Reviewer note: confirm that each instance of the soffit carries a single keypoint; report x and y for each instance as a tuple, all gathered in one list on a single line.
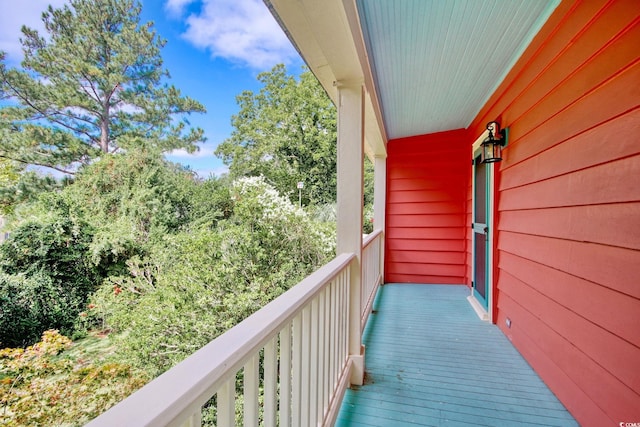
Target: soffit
[(435, 63), (428, 65)]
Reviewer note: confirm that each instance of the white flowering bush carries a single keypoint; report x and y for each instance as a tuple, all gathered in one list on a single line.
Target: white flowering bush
[(196, 285), (259, 204)]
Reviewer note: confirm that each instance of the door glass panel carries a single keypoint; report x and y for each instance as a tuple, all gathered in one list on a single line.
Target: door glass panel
[(480, 232), (480, 272), (481, 192)]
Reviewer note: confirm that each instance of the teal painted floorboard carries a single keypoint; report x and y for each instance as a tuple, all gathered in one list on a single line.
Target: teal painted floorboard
[(431, 361)]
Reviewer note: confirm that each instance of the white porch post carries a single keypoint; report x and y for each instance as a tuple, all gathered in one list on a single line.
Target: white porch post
[(379, 202), (350, 206)]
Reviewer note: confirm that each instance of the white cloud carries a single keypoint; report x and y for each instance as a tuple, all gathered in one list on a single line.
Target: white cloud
[(203, 162), (206, 173), (182, 154), (177, 7), (241, 31), (14, 15)]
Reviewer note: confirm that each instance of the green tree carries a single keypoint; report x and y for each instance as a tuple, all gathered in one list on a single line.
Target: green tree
[(9, 173), (18, 185), (287, 133), (95, 84), (9, 177), (131, 200)]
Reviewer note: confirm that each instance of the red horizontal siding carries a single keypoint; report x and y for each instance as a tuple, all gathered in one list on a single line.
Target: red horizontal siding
[(606, 183), (426, 234), (577, 223), (562, 159), (451, 220), (426, 209), (601, 50), (542, 346), (615, 268), (424, 196), (568, 208), (425, 245), (421, 257), (422, 278), (601, 345), (617, 97), (608, 309), (425, 269)]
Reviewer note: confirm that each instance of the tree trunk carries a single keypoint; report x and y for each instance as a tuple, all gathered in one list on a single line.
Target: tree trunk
[(104, 129)]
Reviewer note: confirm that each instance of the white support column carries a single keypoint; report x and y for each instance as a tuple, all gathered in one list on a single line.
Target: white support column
[(350, 206), (379, 203)]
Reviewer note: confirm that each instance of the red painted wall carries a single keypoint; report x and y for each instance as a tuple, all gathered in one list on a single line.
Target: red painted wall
[(568, 202), (426, 208)]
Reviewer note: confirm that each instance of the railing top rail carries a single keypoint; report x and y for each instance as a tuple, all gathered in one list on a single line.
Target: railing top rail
[(369, 238), (188, 385)]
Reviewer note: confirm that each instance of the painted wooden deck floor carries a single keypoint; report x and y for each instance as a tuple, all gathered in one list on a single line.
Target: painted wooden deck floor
[(430, 361)]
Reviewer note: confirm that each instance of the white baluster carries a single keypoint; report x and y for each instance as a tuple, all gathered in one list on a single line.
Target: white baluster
[(227, 404), (271, 382)]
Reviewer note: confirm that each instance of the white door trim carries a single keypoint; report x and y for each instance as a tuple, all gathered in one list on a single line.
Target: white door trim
[(488, 314)]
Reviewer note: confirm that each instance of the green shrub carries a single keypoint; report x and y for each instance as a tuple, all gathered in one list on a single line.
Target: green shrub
[(46, 278), (152, 193), (56, 246), (29, 306)]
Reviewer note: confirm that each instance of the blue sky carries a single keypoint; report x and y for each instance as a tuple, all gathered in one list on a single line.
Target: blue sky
[(215, 49)]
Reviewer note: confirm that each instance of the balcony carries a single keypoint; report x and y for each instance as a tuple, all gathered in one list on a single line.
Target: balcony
[(553, 254), (292, 362), (423, 344)]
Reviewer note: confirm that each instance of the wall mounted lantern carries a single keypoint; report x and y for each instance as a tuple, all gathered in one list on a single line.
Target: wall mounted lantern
[(492, 146)]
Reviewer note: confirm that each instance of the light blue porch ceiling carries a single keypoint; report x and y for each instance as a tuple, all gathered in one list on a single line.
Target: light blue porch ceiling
[(435, 63)]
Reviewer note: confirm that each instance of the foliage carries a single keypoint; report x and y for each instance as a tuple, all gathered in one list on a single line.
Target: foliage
[(194, 286), (40, 386), (134, 244), (9, 173), (287, 133), (115, 213), (55, 243), (116, 210), (158, 196), (9, 177), (367, 220), (28, 305), (25, 188), (130, 199), (45, 276), (210, 202), (94, 85)]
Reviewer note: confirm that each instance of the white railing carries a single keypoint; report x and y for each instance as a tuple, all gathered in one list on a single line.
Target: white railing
[(301, 341), (371, 273)]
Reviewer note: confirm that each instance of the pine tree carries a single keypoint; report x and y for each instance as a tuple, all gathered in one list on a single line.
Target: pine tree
[(95, 84)]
